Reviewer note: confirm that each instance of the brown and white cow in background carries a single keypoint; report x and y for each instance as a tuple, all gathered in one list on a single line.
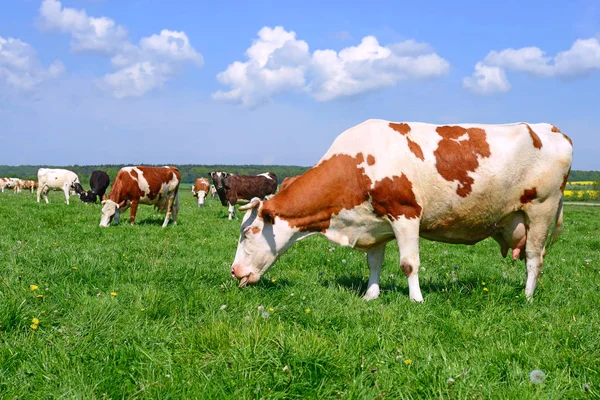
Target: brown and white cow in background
[(233, 188), (200, 189), (158, 186), (384, 180), (213, 192), (28, 185), (56, 179)]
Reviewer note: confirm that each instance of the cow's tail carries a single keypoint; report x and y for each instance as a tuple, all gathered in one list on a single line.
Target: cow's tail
[(558, 225)]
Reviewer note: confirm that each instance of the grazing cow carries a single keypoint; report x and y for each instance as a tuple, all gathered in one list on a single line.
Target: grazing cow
[(99, 181), (3, 183), (28, 185), (200, 190), (213, 191), (287, 181), (232, 188), (158, 186), (55, 179), (384, 180)]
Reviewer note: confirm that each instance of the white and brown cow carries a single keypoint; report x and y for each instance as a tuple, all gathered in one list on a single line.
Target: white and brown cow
[(55, 179), (28, 185), (158, 186), (384, 180), (233, 188), (200, 189), (213, 192)]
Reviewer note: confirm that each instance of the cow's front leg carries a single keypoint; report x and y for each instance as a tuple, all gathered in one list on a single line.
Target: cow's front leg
[(407, 236), (232, 210), (169, 211), (375, 261), (133, 211), (66, 190)]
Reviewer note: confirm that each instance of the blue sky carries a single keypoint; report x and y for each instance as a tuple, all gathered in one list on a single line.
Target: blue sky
[(149, 81)]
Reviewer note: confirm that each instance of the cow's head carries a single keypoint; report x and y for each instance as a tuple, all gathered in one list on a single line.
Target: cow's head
[(219, 178), (78, 188), (261, 243), (110, 210)]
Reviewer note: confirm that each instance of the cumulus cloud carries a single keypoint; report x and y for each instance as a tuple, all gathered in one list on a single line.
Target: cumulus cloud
[(20, 68), (490, 74), (140, 68), (279, 62)]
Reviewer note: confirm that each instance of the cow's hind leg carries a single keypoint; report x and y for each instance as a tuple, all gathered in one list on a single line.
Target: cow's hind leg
[(232, 213), (407, 236), (375, 261), (539, 218)]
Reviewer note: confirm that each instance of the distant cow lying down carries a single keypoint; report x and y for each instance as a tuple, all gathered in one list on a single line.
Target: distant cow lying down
[(233, 188), (158, 186)]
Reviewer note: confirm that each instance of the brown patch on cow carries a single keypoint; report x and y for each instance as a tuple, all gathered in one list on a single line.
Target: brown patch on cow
[(308, 207), (414, 147), (406, 268), (537, 143), (400, 128), (568, 139), (455, 159), (394, 197), (555, 129), (134, 173), (287, 181), (565, 180), (370, 160), (255, 230), (528, 195)]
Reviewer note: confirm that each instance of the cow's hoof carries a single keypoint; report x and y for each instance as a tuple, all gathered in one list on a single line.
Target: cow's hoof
[(372, 294)]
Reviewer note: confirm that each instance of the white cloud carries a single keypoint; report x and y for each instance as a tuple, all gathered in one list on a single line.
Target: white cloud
[(487, 80), (140, 68), (20, 68), (490, 74), (278, 62)]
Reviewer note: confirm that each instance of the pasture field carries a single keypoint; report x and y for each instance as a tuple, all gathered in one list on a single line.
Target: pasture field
[(146, 312)]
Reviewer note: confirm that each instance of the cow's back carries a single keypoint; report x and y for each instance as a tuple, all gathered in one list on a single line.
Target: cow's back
[(247, 187), (462, 176)]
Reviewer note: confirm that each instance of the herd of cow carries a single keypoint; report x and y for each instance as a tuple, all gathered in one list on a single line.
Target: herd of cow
[(379, 181)]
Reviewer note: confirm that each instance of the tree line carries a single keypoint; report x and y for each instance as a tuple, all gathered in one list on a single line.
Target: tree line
[(189, 172)]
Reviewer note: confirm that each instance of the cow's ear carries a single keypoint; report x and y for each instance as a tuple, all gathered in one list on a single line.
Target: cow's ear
[(103, 202), (267, 216)]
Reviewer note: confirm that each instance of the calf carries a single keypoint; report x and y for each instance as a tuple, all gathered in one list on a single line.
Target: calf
[(158, 186), (386, 180), (55, 179), (232, 188), (213, 192), (200, 189)]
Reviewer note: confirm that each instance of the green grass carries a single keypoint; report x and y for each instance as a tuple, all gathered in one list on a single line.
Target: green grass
[(164, 334)]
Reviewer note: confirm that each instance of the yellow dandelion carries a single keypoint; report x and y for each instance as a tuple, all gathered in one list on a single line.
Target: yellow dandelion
[(33, 326), (483, 283), (35, 321), (271, 309), (113, 294), (143, 309), (33, 287), (273, 280), (307, 310), (75, 267), (408, 362), (39, 296), (485, 289)]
